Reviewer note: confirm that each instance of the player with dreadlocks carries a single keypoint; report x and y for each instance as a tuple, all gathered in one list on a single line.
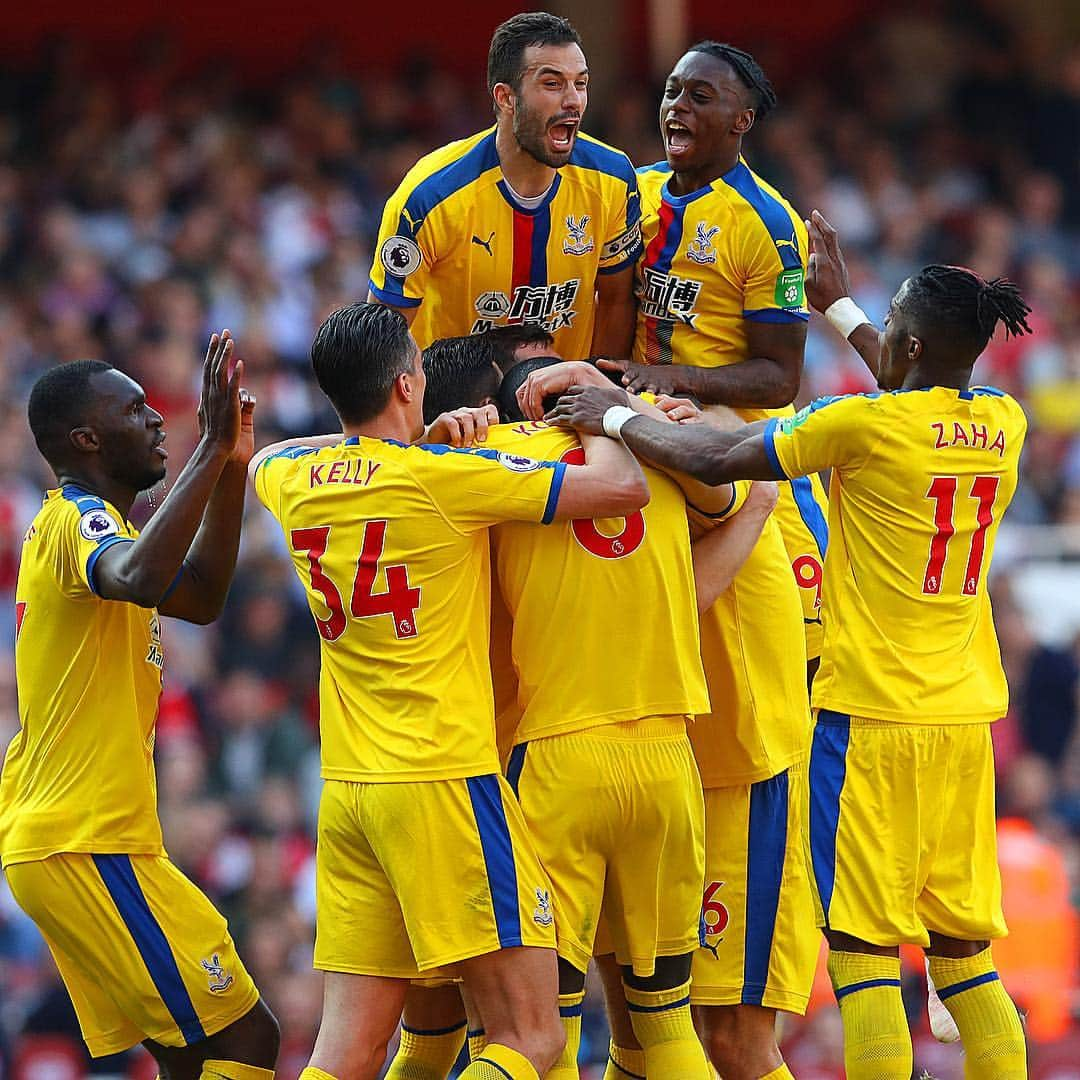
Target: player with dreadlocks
[(901, 821)]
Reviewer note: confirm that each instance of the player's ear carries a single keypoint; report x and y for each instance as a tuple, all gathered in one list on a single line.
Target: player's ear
[(915, 348), (503, 95), (744, 122), (85, 440)]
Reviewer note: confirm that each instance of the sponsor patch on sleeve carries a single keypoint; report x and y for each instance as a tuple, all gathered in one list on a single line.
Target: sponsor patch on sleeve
[(98, 524), (518, 463), (789, 288), (400, 256)]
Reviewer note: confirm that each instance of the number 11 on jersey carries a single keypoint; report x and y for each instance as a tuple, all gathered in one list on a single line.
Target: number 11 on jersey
[(943, 492)]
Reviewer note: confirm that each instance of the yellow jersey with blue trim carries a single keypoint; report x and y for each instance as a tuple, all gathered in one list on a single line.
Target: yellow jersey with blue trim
[(391, 544), (456, 243), (605, 625), (920, 481), (729, 253), (79, 773)]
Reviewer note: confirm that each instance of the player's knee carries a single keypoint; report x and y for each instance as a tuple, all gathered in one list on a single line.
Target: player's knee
[(669, 972), (540, 1037), (571, 979), (741, 1040), (954, 948), (254, 1039), (721, 1039)]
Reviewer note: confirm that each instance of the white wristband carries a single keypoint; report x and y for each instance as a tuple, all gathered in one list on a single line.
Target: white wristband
[(614, 419), (845, 315)]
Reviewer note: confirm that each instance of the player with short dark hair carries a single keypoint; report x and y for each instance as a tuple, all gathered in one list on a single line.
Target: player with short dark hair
[(390, 542), (902, 827), (619, 740), (528, 222), (143, 953)]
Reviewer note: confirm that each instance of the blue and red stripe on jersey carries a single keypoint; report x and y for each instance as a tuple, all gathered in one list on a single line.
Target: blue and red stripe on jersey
[(658, 257)]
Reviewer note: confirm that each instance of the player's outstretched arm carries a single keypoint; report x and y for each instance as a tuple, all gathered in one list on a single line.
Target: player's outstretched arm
[(709, 455), (827, 283), (609, 484), (767, 379), (719, 554), (142, 572)]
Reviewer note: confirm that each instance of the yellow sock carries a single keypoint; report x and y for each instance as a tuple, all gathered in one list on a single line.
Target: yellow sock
[(989, 1024), (426, 1055), (624, 1063), (662, 1024), (499, 1063), (783, 1073), (566, 1068), (877, 1043), (311, 1073), (234, 1070), (477, 1042)]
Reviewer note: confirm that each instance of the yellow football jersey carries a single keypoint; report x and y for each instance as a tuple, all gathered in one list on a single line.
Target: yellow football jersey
[(730, 253), (605, 621), (391, 544), (920, 481), (715, 259), (754, 652), (455, 242), (79, 774)]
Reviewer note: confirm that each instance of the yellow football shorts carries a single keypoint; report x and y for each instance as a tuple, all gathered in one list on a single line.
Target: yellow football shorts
[(142, 952), (417, 875), (801, 512), (617, 818), (760, 942), (902, 830)]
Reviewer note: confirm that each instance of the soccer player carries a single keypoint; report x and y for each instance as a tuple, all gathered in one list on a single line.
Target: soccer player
[(530, 221), (722, 315), (902, 828), (423, 858), (617, 742), (144, 955)]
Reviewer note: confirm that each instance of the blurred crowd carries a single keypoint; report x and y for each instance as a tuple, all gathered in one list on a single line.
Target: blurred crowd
[(142, 208)]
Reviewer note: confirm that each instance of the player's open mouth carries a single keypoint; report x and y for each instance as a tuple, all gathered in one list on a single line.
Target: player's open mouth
[(160, 450), (677, 137), (562, 135)]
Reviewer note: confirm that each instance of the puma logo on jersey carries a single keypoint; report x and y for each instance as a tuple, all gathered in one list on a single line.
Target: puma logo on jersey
[(788, 243), (485, 244)]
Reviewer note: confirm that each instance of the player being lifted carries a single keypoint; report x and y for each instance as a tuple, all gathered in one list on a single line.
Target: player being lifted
[(144, 955), (423, 856), (530, 221), (902, 828), (722, 314)]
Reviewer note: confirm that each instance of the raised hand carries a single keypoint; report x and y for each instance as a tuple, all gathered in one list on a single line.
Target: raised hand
[(220, 410), (827, 274)]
